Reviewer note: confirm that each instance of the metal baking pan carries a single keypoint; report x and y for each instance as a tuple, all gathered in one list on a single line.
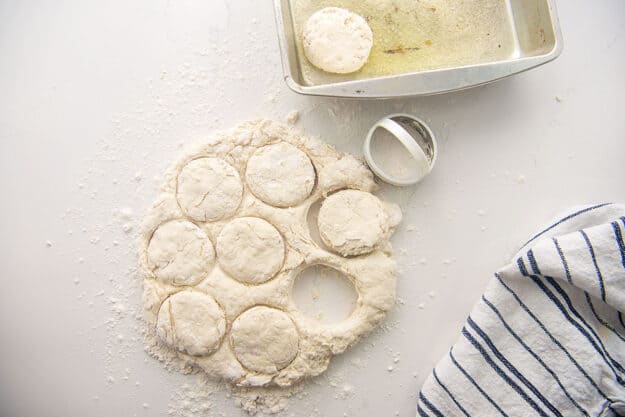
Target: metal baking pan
[(507, 37)]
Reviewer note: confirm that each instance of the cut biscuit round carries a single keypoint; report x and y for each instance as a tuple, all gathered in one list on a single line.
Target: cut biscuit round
[(250, 250), (180, 253), (280, 175), (264, 339), (191, 322), (337, 40), (209, 189), (352, 222)]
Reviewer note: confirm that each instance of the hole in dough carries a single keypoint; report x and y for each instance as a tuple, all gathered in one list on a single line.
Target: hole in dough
[(313, 229), (324, 294), (209, 189), (191, 322), (180, 253), (264, 339), (250, 250), (352, 222), (280, 175)]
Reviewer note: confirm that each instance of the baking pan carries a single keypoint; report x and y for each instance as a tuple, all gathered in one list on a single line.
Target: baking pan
[(490, 40)]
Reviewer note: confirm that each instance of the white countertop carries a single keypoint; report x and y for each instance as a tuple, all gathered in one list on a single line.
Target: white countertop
[(95, 98)]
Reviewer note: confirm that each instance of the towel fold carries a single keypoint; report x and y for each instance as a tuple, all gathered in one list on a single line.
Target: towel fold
[(547, 337)]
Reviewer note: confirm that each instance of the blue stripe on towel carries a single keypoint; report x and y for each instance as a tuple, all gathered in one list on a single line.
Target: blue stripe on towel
[(567, 218), (534, 355), (501, 373), (594, 261), (449, 394), (553, 339), (567, 272), (619, 241), (569, 303), (421, 412), (606, 325), (565, 313), (513, 369), (430, 406), (475, 384)]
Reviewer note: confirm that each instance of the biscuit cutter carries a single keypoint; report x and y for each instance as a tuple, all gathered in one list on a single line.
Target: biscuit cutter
[(415, 136)]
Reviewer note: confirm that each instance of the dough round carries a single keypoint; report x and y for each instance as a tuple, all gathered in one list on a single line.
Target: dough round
[(191, 322), (264, 339), (250, 250), (180, 253), (209, 189), (337, 40), (280, 175), (352, 222)]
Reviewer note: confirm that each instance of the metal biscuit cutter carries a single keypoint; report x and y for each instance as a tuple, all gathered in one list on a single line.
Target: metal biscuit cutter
[(415, 136)]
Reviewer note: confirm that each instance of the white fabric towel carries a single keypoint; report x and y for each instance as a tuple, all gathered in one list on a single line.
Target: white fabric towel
[(548, 336)]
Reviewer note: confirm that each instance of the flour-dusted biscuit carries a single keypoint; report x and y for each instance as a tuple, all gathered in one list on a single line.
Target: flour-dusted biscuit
[(264, 339), (230, 310), (353, 222), (180, 253), (209, 189), (250, 250), (280, 174), (337, 40), (191, 322)]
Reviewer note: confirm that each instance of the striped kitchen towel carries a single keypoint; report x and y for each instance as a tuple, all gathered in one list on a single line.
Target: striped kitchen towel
[(547, 337)]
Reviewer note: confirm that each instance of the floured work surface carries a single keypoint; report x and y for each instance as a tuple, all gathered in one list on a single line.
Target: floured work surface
[(411, 35), (228, 236)]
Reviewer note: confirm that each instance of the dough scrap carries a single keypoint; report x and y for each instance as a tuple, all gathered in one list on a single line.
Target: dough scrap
[(264, 339), (352, 222), (191, 322), (209, 189), (179, 253), (337, 40), (250, 250), (280, 175)]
